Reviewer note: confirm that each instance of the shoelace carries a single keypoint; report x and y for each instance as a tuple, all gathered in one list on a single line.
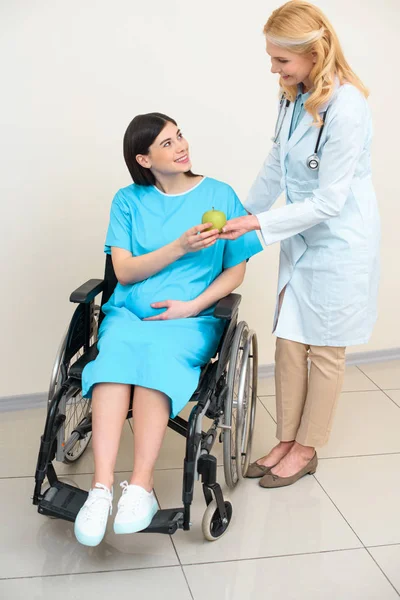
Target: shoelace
[(126, 501), (90, 514)]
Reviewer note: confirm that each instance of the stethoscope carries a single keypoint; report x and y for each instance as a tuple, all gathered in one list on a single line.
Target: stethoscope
[(313, 160)]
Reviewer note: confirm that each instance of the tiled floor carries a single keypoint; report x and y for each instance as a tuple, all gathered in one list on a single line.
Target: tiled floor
[(332, 536)]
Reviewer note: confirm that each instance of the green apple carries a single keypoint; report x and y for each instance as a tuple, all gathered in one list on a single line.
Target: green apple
[(216, 217)]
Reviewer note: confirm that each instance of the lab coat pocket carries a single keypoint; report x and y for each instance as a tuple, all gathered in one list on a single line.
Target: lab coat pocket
[(298, 189), (338, 281)]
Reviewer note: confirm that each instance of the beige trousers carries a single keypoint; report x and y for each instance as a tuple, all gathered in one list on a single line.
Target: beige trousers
[(306, 400)]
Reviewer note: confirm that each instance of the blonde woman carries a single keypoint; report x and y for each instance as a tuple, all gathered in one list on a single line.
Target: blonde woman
[(329, 232)]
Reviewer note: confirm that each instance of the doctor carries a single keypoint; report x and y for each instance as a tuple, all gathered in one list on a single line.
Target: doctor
[(329, 232)]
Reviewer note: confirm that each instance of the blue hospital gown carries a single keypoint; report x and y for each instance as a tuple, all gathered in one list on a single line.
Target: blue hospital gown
[(164, 355)]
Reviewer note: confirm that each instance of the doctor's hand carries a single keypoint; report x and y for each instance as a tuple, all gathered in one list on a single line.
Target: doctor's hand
[(235, 228), (176, 309)]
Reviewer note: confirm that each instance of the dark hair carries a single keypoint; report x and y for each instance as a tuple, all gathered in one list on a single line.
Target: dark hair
[(139, 136)]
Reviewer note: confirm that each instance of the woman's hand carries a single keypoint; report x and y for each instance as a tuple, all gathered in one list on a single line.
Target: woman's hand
[(238, 227), (197, 238), (176, 309)]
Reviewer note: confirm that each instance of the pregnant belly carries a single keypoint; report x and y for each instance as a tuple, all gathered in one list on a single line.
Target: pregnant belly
[(143, 295)]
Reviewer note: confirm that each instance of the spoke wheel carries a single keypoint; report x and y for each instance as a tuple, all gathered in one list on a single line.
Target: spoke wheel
[(74, 406), (232, 464), (247, 403)]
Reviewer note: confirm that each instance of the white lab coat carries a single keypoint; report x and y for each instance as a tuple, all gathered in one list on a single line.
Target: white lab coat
[(329, 229)]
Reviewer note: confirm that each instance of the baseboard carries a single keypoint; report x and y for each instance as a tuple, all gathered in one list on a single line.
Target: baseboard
[(265, 371), (39, 400), (22, 402), (352, 358), (363, 358)]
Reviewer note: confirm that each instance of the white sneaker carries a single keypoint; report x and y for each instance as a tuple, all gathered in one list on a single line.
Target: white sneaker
[(136, 509), (91, 521)]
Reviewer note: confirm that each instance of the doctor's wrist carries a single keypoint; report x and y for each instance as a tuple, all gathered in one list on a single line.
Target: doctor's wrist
[(255, 223)]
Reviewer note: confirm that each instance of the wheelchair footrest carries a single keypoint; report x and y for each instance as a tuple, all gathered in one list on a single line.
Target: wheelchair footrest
[(62, 501), (166, 521)]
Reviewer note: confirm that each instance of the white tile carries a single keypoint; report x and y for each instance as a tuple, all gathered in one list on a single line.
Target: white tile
[(367, 492), (32, 544), (347, 575), (270, 404), (146, 584), (20, 433), (354, 381), (365, 423), (388, 558), (265, 522), (394, 395), (385, 374), (375, 433)]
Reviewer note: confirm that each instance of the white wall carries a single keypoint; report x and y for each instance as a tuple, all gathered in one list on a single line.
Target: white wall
[(75, 73)]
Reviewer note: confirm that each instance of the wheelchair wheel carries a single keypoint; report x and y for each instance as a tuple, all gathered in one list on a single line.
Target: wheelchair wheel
[(247, 403), (212, 525), (73, 406), (240, 404)]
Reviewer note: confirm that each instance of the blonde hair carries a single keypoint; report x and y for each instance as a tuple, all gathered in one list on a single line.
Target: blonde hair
[(302, 28)]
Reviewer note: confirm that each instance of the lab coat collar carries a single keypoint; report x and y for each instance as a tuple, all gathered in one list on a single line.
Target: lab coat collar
[(323, 107), (304, 124)]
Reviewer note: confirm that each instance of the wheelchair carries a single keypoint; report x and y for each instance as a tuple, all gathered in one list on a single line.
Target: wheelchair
[(226, 394)]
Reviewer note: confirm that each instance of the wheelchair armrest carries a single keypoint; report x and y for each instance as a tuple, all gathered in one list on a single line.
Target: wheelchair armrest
[(86, 292), (227, 307)]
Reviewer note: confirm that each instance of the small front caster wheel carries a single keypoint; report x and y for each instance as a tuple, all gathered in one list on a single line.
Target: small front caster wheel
[(212, 525)]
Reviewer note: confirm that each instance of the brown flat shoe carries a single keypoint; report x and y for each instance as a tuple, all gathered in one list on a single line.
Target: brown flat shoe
[(255, 470), (270, 480)]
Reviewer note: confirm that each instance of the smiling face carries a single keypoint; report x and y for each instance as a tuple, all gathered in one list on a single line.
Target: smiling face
[(293, 68), (168, 154)]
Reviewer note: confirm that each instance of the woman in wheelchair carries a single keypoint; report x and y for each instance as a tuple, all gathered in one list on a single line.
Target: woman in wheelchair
[(159, 329)]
